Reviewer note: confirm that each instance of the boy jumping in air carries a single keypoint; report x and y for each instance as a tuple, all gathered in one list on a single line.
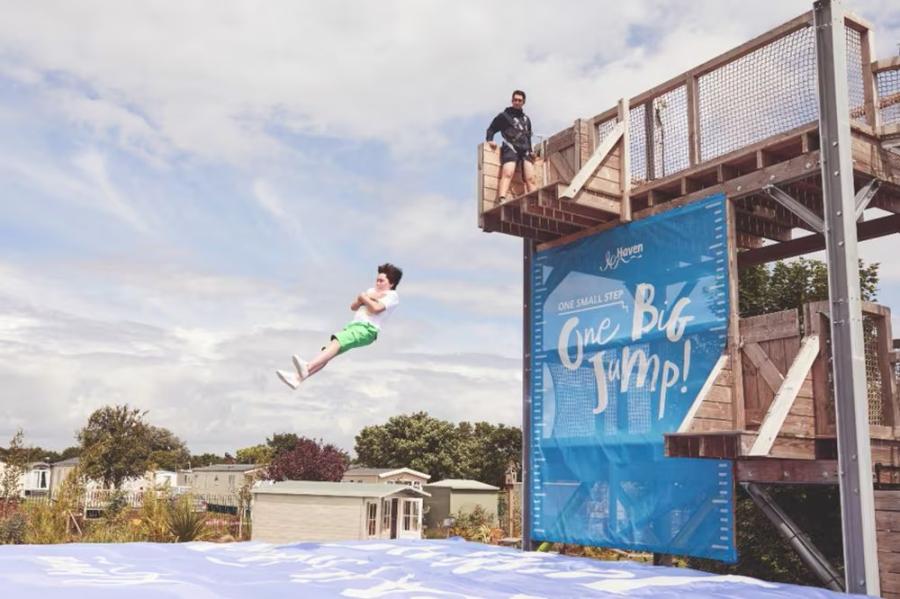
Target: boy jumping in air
[(372, 307)]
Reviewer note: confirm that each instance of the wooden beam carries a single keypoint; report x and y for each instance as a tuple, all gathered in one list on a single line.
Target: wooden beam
[(871, 229), (870, 89), (650, 140), (738, 413), (693, 114), (760, 360), (593, 163), (886, 64), (777, 471), (625, 163), (739, 156), (791, 170), (784, 398), (701, 396)]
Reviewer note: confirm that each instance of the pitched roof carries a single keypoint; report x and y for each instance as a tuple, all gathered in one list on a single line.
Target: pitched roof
[(463, 484), (384, 472), (228, 468), (330, 489), (67, 462)]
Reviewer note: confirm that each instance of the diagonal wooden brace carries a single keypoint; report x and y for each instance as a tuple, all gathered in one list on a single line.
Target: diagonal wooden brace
[(590, 167), (784, 399)]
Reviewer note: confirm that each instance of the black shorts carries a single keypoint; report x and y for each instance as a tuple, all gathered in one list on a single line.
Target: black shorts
[(510, 154)]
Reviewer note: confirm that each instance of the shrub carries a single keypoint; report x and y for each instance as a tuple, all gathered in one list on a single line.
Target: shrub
[(12, 529), (47, 523), (477, 525), (185, 523), (155, 514)]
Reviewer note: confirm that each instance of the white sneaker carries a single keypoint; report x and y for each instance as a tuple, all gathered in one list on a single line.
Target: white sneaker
[(302, 367), (288, 378)]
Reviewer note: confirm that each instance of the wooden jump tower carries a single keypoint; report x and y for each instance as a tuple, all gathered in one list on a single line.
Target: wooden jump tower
[(747, 124)]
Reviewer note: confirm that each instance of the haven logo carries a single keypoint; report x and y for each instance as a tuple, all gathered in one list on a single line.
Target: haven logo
[(622, 255)]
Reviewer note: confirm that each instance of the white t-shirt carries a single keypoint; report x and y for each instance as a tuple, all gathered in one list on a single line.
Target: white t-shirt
[(389, 301)]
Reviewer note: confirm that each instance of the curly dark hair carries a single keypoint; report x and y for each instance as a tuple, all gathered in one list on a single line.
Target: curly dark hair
[(393, 273)]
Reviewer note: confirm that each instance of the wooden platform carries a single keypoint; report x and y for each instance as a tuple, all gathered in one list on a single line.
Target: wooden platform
[(611, 191)]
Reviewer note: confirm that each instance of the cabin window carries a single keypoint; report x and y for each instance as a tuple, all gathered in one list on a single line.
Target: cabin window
[(371, 518), (411, 515), (386, 514)]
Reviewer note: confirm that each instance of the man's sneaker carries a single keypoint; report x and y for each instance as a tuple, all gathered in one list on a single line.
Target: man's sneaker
[(302, 367), (288, 378)]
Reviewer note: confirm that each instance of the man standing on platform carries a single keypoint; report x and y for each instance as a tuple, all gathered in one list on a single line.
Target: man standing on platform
[(515, 128)]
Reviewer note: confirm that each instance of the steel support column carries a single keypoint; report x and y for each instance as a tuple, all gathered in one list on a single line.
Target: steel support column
[(848, 352)]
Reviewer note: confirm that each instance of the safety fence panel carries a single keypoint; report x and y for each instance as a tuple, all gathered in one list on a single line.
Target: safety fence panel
[(751, 94)]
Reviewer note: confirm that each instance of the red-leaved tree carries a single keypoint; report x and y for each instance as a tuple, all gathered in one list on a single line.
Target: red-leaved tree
[(309, 460)]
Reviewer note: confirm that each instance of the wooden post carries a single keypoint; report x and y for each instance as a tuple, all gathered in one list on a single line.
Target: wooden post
[(625, 164), (583, 138), (734, 329), (650, 139), (693, 108), (870, 90)]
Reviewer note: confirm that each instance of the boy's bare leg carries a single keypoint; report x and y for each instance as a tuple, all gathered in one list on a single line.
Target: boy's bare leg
[(506, 174), (528, 175), (325, 356)]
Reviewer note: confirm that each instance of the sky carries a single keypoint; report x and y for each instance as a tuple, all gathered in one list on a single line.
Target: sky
[(191, 192)]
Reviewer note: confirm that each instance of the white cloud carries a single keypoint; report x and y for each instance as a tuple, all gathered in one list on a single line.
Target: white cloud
[(108, 198), (210, 78)]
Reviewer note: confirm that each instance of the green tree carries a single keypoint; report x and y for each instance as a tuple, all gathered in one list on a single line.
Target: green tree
[(167, 451), (70, 452), (788, 285), (481, 451), (15, 463), (416, 441), (255, 454), (282, 442), (205, 459), (494, 448), (115, 445)]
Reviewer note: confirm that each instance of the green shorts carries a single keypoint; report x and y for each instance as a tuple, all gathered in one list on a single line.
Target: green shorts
[(356, 334)]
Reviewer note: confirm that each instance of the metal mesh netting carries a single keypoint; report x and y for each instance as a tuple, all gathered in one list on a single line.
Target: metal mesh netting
[(671, 137), (873, 372), (765, 92), (874, 397), (637, 143), (855, 74), (888, 84)]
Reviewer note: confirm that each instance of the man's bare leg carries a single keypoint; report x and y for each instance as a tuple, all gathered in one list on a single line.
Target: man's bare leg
[(528, 175), (506, 174), (325, 356)]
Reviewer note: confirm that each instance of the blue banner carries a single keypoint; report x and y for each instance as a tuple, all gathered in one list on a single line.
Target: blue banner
[(627, 326)]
